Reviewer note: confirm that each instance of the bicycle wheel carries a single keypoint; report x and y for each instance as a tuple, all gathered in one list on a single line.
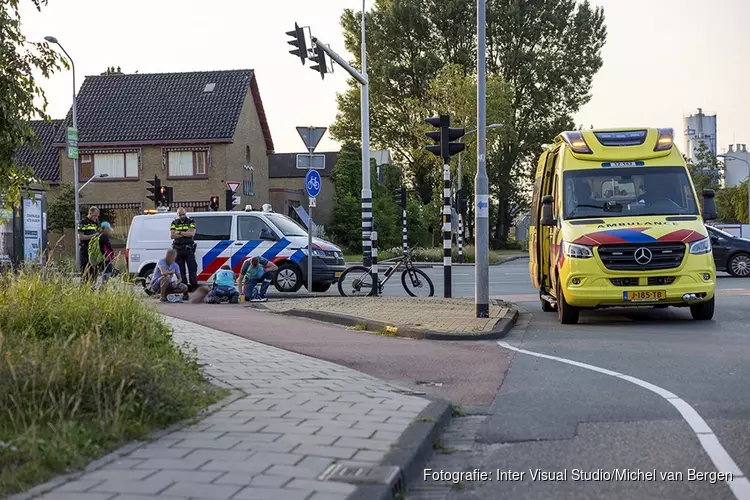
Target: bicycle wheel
[(356, 282), (417, 283)]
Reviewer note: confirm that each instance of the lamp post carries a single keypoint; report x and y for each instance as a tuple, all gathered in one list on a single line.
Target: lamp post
[(725, 156), (52, 39), (481, 182), (460, 211), (97, 176)]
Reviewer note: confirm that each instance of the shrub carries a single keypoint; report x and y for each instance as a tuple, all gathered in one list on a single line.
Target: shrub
[(82, 372)]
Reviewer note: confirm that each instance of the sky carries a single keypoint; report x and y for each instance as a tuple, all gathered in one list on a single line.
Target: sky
[(663, 58)]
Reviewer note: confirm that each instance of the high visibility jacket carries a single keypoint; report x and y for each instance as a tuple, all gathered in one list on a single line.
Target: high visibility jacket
[(182, 225), (87, 227)]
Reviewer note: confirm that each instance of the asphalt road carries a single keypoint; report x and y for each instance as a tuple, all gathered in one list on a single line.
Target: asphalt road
[(555, 416)]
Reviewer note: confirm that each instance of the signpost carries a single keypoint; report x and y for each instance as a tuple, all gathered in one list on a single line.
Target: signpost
[(72, 143), (305, 161), (311, 136), (233, 186)]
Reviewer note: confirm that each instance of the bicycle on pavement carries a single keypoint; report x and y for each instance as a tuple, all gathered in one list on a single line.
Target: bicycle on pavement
[(357, 281)]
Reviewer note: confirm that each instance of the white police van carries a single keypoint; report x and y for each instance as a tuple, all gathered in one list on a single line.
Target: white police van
[(230, 238)]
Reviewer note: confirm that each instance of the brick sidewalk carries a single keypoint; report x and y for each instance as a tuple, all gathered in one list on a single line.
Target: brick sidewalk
[(456, 315), (300, 415)]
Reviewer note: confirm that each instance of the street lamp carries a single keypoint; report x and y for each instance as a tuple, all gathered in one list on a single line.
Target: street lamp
[(748, 178), (52, 39), (97, 176), (460, 214)]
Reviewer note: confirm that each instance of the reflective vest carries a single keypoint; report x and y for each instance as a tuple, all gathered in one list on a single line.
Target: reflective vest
[(180, 225)]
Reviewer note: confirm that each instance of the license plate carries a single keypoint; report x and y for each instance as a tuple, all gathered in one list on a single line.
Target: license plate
[(644, 295), (337, 274)]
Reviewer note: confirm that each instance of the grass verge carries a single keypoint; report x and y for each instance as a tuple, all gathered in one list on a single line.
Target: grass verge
[(83, 372)]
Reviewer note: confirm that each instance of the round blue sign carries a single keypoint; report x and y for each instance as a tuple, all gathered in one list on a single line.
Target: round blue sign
[(313, 183)]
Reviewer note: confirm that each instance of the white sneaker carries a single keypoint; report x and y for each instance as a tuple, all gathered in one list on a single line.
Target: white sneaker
[(263, 299), (255, 299)]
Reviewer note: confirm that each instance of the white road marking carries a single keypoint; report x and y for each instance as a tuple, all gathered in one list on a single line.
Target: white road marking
[(740, 486)]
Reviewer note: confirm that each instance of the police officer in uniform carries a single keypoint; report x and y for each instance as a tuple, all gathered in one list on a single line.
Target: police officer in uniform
[(182, 232), (87, 229)]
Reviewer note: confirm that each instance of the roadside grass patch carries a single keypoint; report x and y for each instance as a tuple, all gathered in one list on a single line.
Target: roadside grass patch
[(82, 372)]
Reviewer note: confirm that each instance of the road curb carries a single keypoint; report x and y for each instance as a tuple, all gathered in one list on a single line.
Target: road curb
[(500, 329), (410, 452)]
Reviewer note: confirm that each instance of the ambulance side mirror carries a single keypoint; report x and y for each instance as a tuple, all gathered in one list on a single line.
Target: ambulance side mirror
[(547, 218), (709, 205)]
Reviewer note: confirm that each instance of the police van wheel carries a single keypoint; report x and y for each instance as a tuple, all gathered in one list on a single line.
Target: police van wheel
[(147, 274), (567, 314), (288, 278)]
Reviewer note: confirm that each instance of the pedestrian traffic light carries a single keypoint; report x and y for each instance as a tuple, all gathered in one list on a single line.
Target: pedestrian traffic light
[(165, 196), (170, 196), (444, 146), (155, 190), (321, 64), (214, 203), (298, 40), (400, 196)]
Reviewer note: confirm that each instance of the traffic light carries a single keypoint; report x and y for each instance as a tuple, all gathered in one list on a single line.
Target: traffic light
[(298, 41), (444, 146), (321, 64), (400, 196), (165, 196), (460, 201), (228, 195), (155, 190), (214, 203)]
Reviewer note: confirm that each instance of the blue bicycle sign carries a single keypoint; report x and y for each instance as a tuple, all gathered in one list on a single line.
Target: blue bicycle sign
[(313, 183)]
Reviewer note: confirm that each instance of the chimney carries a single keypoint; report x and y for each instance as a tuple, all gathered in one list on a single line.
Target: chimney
[(744, 148), (731, 148)]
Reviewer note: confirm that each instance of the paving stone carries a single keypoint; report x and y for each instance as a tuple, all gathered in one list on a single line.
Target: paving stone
[(171, 463), (253, 493), (275, 458), (291, 471), (243, 467), (124, 463), (276, 447), (159, 452), (328, 486), (328, 496), (346, 432), (236, 478), (326, 451), (228, 455), (265, 481), (54, 495), (222, 443), (302, 439), (148, 486), (316, 463), (369, 456), (364, 444), (82, 484), (195, 490), (124, 474), (192, 476)]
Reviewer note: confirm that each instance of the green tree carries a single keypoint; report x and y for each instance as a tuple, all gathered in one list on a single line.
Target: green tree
[(546, 51), (705, 169), (61, 211), (345, 227), (21, 98)]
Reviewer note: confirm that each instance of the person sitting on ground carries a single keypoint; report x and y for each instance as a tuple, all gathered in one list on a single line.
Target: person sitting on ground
[(256, 270), (167, 279), (223, 287)]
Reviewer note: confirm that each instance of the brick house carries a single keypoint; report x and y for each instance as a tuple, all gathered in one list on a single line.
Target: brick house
[(287, 187), (195, 131)]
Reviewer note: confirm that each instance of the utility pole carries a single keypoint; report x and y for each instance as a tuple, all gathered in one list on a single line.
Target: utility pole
[(481, 183), (445, 148)]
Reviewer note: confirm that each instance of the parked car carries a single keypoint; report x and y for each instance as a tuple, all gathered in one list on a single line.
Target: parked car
[(731, 254)]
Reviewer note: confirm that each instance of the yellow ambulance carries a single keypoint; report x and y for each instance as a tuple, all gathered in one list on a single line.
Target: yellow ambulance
[(615, 221)]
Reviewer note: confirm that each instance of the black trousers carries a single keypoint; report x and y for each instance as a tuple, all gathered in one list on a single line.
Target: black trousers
[(186, 258)]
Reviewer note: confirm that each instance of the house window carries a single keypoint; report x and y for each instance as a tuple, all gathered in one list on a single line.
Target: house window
[(187, 164), (120, 165)]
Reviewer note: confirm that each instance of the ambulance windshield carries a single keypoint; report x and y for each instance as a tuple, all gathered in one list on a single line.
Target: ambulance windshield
[(622, 192)]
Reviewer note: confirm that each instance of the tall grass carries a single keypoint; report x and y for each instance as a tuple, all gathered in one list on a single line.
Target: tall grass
[(82, 371)]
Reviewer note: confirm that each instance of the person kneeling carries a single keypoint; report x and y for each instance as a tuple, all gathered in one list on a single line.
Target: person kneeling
[(223, 287), (256, 270), (167, 279)]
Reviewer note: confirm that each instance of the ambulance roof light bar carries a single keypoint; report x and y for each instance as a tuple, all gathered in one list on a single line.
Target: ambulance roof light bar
[(577, 143)]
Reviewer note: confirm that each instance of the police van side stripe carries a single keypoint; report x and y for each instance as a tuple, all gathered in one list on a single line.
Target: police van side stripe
[(239, 255), (276, 249)]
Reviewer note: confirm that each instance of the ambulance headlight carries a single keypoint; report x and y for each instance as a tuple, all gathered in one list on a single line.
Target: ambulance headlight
[(700, 247), (575, 251)]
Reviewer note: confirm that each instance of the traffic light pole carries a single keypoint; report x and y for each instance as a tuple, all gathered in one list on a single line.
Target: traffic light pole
[(460, 211), (366, 195), (481, 183), (447, 235)]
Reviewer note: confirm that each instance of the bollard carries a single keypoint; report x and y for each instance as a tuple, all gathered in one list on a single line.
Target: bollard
[(374, 269)]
